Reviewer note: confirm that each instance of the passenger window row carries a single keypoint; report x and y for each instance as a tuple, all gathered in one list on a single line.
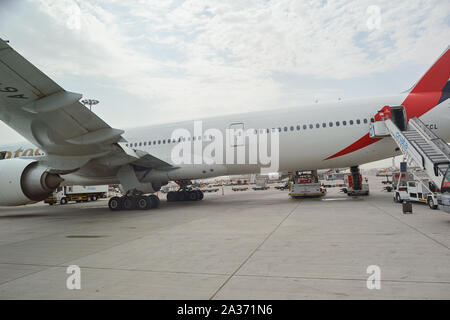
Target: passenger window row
[(164, 141), (261, 131), (319, 125)]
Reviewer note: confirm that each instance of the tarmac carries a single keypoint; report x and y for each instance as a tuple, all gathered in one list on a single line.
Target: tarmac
[(240, 245)]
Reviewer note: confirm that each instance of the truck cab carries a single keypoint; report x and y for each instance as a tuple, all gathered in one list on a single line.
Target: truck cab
[(443, 197), (350, 186), (305, 184)]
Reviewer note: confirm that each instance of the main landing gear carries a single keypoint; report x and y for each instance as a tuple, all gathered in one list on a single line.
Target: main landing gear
[(134, 201), (184, 195)]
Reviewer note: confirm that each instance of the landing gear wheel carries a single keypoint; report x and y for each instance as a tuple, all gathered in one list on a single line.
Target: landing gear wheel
[(114, 204), (181, 195), (128, 203), (171, 196), (143, 203), (193, 195), (155, 201), (431, 204)]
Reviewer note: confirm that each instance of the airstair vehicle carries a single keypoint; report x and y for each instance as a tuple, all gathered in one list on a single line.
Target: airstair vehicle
[(414, 185), (420, 146)]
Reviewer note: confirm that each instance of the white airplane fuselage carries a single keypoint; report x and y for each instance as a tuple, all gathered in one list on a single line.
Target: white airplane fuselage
[(301, 147)]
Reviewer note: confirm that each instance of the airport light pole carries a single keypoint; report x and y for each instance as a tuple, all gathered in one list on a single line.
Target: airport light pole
[(90, 102)]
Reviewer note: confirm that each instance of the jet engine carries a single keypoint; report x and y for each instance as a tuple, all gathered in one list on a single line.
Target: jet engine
[(24, 181)]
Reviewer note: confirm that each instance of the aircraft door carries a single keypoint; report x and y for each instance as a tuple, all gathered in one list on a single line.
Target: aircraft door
[(399, 117), (236, 134)]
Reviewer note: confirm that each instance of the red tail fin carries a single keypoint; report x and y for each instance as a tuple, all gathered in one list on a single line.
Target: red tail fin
[(436, 78)]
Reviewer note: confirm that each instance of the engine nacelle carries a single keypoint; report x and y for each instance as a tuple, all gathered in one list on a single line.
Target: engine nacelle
[(24, 181)]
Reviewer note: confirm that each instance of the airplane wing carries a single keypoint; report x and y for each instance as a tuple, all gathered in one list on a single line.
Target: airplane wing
[(54, 120)]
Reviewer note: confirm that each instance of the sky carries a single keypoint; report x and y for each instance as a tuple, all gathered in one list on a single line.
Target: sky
[(159, 61)]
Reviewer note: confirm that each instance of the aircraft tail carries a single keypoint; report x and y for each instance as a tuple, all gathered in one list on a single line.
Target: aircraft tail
[(436, 79)]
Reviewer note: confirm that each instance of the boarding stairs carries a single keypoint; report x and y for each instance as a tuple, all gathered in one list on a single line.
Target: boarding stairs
[(420, 146)]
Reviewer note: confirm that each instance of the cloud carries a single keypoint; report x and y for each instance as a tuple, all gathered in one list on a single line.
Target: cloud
[(175, 60)]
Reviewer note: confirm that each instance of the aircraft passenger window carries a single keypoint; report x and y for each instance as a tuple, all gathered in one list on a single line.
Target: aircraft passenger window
[(159, 141), (337, 123), (311, 126), (298, 127), (285, 129), (267, 130), (365, 120), (145, 143), (358, 121), (324, 124), (164, 141), (344, 123), (317, 125), (169, 141), (292, 128), (350, 122), (279, 129), (154, 142), (305, 126), (135, 144), (330, 124)]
